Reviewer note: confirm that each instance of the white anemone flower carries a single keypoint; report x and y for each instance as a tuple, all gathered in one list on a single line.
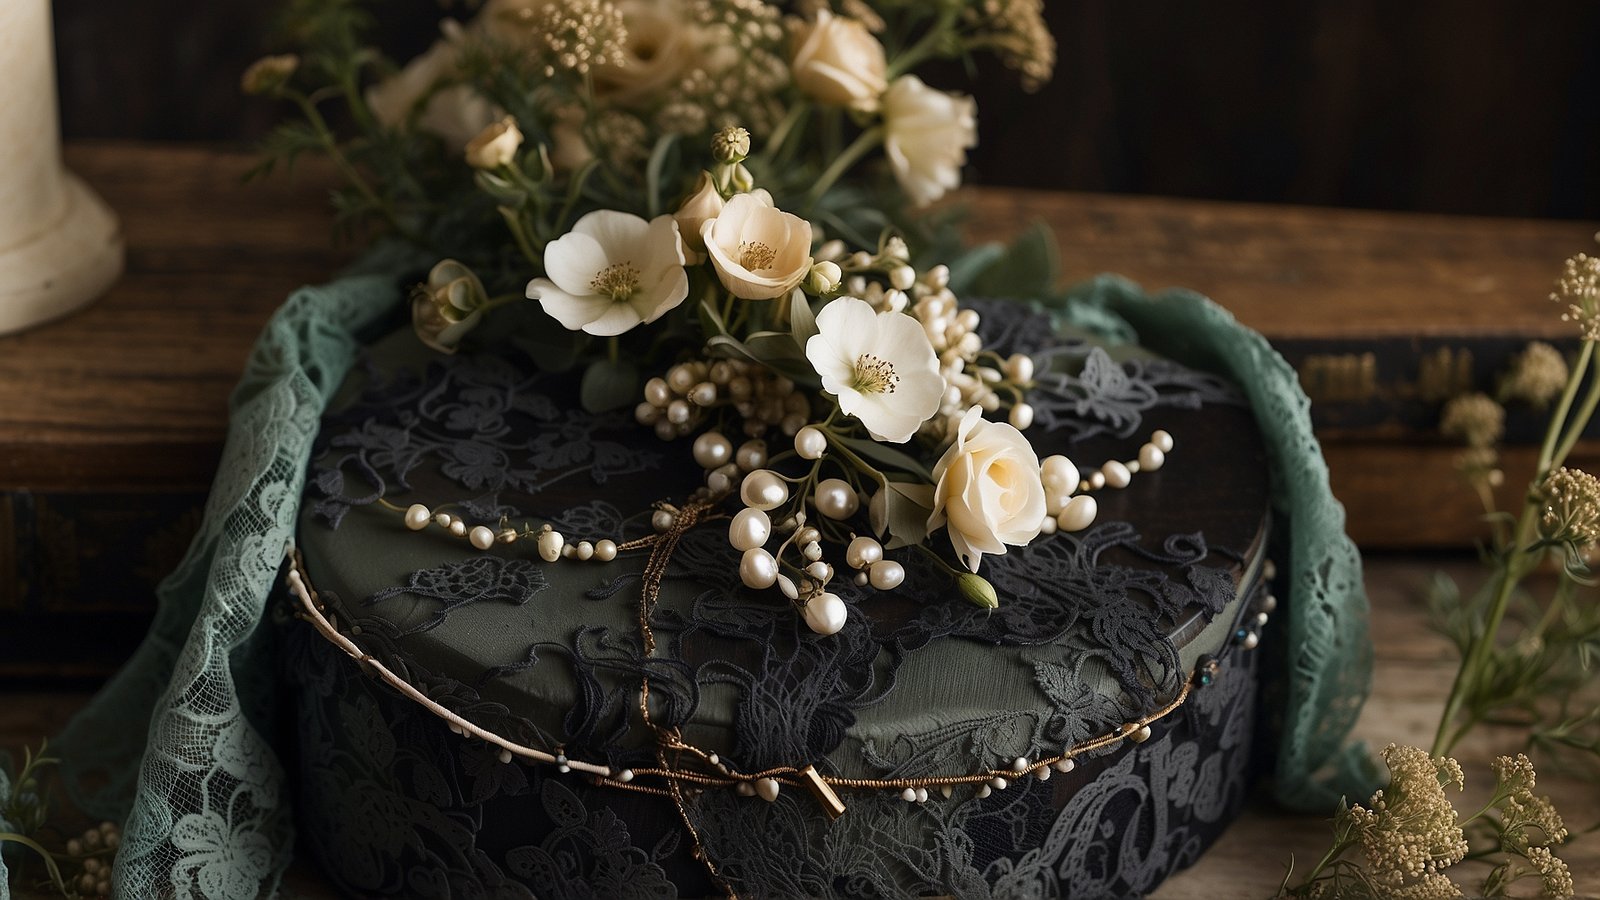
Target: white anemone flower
[(927, 133), (612, 271), (880, 366)]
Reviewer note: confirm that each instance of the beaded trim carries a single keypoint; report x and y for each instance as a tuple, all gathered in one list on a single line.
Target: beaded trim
[(766, 783)]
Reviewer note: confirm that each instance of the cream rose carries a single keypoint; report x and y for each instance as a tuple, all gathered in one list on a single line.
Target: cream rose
[(702, 206), (836, 61), (989, 492), (496, 145), (759, 252), (927, 135)]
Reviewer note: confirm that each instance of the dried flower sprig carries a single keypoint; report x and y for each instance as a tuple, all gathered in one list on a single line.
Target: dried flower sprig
[(1409, 834)]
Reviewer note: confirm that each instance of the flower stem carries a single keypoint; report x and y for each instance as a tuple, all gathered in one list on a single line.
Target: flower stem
[(867, 140), (1579, 422), (349, 171)]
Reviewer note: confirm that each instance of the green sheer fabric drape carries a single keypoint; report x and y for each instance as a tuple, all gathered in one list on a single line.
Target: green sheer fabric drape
[(178, 746)]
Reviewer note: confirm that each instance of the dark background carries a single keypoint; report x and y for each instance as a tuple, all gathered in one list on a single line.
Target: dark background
[(1443, 105)]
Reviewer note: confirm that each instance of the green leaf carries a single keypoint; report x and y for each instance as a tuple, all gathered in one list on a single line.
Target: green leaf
[(802, 323), (972, 264), (888, 457), (1029, 268), (609, 384), (907, 506)]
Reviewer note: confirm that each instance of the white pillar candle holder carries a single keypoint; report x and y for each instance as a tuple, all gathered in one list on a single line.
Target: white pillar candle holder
[(60, 245)]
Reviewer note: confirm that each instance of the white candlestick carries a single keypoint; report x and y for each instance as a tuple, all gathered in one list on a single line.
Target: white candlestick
[(60, 247)]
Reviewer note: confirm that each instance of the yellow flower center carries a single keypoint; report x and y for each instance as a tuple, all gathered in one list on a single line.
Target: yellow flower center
[(874, 375), (619, 281), (754, 255)]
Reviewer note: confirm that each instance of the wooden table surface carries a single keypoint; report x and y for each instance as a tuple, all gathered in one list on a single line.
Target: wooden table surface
[(1413, 672), (134, 391)]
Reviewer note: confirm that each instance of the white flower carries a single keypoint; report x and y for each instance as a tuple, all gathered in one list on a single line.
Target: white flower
[(879, 365), (496, 145), (454, 113), (613, 271), (838, 62), (661, 48), (928, 134), (760, 252), (702, 206), (989, 492)]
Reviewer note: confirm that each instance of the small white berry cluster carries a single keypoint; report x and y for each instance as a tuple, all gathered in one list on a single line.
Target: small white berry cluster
[(677, 404), (807, 577), (1068, 506), (552, 545)]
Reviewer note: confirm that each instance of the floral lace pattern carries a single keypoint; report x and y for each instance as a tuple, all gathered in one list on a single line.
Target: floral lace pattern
[(1107, 599), (395, 803)]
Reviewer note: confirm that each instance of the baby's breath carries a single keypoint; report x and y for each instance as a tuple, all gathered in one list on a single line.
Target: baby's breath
[(1475, 419), (1537, 375), (1571, 500), (1579, 288), (1017, 32)]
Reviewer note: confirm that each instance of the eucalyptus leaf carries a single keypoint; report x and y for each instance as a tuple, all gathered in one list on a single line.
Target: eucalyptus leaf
[(888, 457), (609, 384)]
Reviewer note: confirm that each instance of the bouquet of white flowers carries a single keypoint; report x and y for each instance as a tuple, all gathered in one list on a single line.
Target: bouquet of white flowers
[(753, 294)]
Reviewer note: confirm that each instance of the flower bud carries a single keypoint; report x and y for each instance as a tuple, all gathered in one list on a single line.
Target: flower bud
[(269, 74), (894, 247), (448, 306), (977, 590), (703, 205), (495, 146), (741, 179), (730, 145), (824, 278)]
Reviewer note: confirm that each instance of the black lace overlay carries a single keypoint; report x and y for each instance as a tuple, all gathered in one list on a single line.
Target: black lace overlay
[(1092, 631), (393, 803)]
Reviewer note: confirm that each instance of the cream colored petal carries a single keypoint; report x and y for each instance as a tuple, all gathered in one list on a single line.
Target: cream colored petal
[(664, 296), (615, 319), (573, 260), (623, 235), (573, 311)]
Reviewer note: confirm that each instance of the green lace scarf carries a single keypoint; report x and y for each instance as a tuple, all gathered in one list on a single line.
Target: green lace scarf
[(177, 746)]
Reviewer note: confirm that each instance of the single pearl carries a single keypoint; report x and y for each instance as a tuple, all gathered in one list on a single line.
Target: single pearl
[(1048, 526), (680, 379), (1097, 481), (999, 783), (749, 529), (481, 537), (763, 489), (443, 520), (825, 613), (1059, 475), (767, 789), (585, 551), (1151, 458), (786, 585), (909, 795), (712, 450), (983, 791), (661, 520), (922, 795), (656, 393), (835, 499), (807, 534), (757, 569), (861, 579), (1019, 368), (1065, 765), (678, 412), (820, 570), (1020, 764), (1269, 603), (886, 575), (605, 551), (810, 442), (458, 527), (1162, 440), (645, 414), (811, 551), (863, 552), (1021, 417), (418, 517), (550, 545), (751, 455), (703, 394), (1079, 514), (1117, 474)]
